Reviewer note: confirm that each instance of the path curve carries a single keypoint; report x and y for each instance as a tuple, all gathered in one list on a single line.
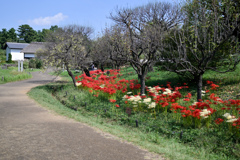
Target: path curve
[(30, 132)]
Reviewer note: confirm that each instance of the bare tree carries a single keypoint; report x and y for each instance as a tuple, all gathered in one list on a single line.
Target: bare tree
[(100, 52), (117, 45), (67, 46), (206, 41), (144, 28)]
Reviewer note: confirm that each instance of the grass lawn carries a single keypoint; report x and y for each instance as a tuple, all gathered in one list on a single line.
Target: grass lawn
[(11, 74), (163, 134)]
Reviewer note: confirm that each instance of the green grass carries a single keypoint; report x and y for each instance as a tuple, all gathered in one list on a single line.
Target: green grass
[(11, 74), (161, 135)]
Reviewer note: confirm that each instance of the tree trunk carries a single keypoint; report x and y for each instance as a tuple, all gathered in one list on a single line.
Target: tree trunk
[(72, 76), (142, 82), (102, 69), (117, 67), (199, 87)]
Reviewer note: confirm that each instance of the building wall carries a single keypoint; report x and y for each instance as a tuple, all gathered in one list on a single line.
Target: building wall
[(16, 55)]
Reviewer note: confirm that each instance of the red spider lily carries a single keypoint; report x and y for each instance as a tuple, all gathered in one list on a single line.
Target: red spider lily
[(164, 104), (112, 100), (176, 106), (218, 121), (196, 113), (234, 102), (117, 106), (209, 82), (137, 86), (214, 86), (237, 123), (189, 95), (186, 99), (186, 113)]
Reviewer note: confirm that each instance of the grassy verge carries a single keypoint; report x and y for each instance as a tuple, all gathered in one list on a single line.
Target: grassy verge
[(11, 74), (162, 135)]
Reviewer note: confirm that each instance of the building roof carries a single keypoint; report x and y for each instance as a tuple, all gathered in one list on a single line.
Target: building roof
[(14, 45), (33, 47)]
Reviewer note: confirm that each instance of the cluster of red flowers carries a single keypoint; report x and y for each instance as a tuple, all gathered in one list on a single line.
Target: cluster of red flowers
[(213, 86), (219, 120), (237, 123), (108, 82), (105, 82)]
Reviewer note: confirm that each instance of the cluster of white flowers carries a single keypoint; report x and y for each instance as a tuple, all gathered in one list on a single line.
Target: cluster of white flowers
[(147, 100), (125, 97), (102, 86), (154, 90), (133, 99), (194, 103), (205, 113), (78, 84), (203, 93), (152, 105), (229, 117), (167, 91)]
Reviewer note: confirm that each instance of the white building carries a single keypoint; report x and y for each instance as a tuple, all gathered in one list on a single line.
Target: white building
[(21, 51), (15, 50)]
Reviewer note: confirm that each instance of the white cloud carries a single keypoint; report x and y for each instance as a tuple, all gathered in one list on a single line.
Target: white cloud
[(48, 20)]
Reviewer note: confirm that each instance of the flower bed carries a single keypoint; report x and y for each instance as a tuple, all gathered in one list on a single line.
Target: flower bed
[(209, 112)]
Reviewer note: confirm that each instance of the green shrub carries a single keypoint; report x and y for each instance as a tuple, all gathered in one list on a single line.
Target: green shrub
[(35, 63), (39, 63), (32, 63), (9, 58), (25, 64)]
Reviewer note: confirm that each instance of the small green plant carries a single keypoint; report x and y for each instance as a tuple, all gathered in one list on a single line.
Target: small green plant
[(32, 63), (9, 58), (39, 63), (25, 64), (35, 63)]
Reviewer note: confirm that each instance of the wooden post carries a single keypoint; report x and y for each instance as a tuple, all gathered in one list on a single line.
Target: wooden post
[(21, 65), (18, 65)]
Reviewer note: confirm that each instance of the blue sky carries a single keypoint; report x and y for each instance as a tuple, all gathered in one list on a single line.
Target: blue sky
[(41, 14)]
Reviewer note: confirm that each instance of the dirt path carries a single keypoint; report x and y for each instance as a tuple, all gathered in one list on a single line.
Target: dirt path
[(29, 132)]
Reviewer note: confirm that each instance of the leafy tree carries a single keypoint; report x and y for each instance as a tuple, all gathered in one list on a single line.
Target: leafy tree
[(207, 40), (26, 33), (41, 35), (12, 35), (3, 37), (53, 28)]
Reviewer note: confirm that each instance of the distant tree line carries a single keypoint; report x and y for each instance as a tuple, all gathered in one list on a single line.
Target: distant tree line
[(24, 34)]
